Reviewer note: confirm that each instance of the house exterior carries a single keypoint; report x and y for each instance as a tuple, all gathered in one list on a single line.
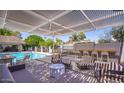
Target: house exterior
[(8, 41), (101, 52)]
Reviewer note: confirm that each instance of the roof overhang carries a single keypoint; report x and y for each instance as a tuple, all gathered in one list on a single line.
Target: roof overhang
[(11, 40), (59, 22)]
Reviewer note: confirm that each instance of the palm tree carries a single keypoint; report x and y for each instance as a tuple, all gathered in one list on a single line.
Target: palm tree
[(58, 42), (74, 37), (7, 32), (118, 34), (34, 40), (105, 38), (81, 36), (77, 37), (49, 42)]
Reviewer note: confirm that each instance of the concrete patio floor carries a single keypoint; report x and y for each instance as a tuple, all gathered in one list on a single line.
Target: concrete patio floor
[(23, 76), (38, 72)]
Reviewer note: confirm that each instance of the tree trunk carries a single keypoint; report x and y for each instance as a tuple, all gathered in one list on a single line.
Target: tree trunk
[(92, 51), (120, 54)]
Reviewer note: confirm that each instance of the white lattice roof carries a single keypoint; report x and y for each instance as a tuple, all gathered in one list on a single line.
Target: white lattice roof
[(60, 22)]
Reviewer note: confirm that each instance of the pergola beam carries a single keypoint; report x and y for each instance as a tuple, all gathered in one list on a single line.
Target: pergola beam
[(62, 34), (115, 24), (63, 26), (60, 15), (52, 20), (36, 27), (106, 17), (4, 20), (88, 19), (54, 32), (44, 29), (36, 14), (24, 24), (98, 19), (48, 20), (18, 22)]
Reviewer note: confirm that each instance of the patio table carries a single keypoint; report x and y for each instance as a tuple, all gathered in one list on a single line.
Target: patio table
[(5, 60), (56, 70)]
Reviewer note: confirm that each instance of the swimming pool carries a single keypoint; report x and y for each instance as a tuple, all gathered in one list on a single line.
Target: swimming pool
[(21, 55)]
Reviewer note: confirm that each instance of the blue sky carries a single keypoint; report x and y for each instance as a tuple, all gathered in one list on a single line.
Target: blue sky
[(92, 35)]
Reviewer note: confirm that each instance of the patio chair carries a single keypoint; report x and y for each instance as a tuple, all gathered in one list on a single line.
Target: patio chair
[(56, 59), (23, 61), (86, 63), (67, 63), (115, 73), (20, 64), (67, 66), (83, 66), (99, 71), (107, 72)]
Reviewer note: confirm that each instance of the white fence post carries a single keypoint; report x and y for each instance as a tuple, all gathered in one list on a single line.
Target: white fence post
[(35, 49), (41, 48), (50, 50)]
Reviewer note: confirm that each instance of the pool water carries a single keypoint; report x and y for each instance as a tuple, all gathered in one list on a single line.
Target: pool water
[(21, 55)]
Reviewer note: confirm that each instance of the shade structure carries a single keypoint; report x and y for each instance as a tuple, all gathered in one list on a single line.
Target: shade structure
[(11, 40), (62, 21)]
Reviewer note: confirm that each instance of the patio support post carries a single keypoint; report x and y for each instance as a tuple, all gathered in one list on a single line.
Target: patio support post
[(61, 48), (53, 43), (4, 21), (122, 55)]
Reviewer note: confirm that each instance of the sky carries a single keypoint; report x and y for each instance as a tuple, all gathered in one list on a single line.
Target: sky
[(91, 35)]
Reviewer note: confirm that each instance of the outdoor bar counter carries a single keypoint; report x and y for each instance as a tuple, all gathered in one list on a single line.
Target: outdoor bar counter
[(5, 75)]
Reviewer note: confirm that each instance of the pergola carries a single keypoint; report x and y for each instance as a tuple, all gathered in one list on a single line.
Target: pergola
[(59, 22)]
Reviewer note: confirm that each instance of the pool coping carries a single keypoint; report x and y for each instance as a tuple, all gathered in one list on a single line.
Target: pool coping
[(45, 53)]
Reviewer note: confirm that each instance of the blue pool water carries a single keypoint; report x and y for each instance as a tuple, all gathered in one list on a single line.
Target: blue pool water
[(21, 55)]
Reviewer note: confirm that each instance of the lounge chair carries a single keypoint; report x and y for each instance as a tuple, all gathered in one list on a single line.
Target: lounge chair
[(56, 59), (86, 63), (108, 72), (23, 61), (20, 64)]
